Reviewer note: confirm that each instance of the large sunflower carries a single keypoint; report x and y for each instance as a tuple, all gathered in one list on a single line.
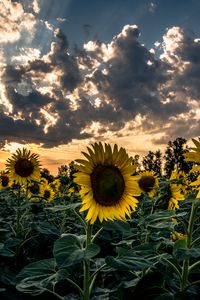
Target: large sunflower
[(194, 156), (107, 187), (23, 166), (148, 182)]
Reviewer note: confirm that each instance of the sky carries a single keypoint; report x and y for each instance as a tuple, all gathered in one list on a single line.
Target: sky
[(75, 72)]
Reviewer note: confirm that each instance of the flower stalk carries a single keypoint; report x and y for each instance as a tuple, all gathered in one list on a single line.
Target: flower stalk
[(186, 262), (86, 264)]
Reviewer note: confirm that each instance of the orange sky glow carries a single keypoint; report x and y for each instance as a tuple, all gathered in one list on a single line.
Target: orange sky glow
[(57, 156)]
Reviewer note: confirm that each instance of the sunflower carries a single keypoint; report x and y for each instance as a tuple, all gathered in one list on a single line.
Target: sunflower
[(34, 190), (23, 166), (194, 156), (197, 184), (107, 187), (174, 196), (178, 236), (148, 182), (47, 193), (180, 177), (5, 181), (59, 185)]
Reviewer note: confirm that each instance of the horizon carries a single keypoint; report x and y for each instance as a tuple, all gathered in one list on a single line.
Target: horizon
[(53, 165)]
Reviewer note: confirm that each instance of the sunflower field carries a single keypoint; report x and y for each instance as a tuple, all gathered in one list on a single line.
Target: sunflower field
[(104, 229)]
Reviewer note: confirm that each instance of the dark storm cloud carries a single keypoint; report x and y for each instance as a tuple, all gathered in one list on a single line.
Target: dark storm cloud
[(67, 63), (127, 78), (133, 78), (181, 128), (19, 130)]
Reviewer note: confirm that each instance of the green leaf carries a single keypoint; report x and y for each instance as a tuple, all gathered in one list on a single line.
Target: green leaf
[(197, 202), (42, 269), (179, 244), (5, 251), (47, 228), (184, 253), (38, 277), (91, 251), (159, 216), (165, 296), (57, 208), (162, 225), (128, 263), (117, 226), (68, 250)]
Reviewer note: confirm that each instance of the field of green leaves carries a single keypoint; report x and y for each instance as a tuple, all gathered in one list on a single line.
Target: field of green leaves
[(105, 228)]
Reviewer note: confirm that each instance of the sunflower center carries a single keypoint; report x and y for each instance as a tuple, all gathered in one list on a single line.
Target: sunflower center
[(146, 183), (107, 185), (4, 180), (34, 188), (24, 167), (47, 194)]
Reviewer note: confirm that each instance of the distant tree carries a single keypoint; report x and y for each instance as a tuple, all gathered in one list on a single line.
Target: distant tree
[(152, 162), (174, 157), (72, 169), (169, 160), (63, 170), (135, 161), (45, 173)]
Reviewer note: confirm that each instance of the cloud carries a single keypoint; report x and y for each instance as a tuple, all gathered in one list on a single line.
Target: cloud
[(15, 22), (53, 95)]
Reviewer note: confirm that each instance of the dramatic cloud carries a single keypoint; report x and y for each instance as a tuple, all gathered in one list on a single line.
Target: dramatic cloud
[(15, 22), (51, 95)]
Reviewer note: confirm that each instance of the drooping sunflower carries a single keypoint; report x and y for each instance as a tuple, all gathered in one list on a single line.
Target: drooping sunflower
[(194, 156), (107, 187), (23, 166), (196, 184), (34, 190), (180, 177), (175, 195), (148, 182), (5, 181)]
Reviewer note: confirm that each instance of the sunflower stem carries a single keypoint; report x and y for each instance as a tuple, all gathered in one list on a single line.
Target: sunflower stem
[(174, 267), (195, 241), (81, 219), (186, 262), (96, 234), (75, 286), (18, 214), (86, 264)]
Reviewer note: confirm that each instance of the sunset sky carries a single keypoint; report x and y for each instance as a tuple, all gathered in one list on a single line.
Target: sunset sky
[(77, 71)]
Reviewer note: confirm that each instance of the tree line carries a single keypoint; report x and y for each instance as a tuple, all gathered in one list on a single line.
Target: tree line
[(164, 165)]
